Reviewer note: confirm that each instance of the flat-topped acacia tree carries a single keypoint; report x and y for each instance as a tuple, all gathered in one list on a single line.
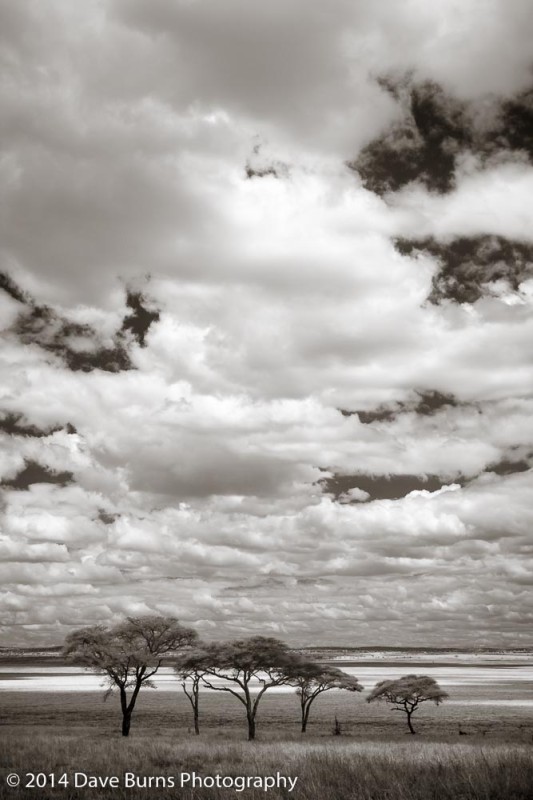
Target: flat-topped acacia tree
[(407, 693), (311, 680), (128, 654), (240, 663)]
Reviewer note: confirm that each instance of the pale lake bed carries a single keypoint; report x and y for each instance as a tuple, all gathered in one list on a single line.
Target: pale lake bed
[(490, 697)]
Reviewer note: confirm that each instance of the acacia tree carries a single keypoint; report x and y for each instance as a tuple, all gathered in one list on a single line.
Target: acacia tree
[(313, 679), (243, 662), (128, 654), (406, 694), (190, 670)]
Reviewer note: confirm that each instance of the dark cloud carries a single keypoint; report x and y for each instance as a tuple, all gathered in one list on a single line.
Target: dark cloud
[(238, 56), (33, 472), (261, 172), (435, 129), (139, 321), (261, 165), (16, 425), (106, 517), (515, 126), (79, 346), (367, 417), (8, 285), (44, 327), (211, 468), (422, 148), (469, 265), (431, 402), (426, 403), (508, 467), (381, 487)]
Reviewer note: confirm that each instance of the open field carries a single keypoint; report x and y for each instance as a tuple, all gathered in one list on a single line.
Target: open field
[(479, 744), (341, 769), (168, 712)]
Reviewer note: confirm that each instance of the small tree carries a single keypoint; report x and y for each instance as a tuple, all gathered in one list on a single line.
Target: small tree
[(313, 679), (244, 661), (406, 694), (189, 669), (128, 654)]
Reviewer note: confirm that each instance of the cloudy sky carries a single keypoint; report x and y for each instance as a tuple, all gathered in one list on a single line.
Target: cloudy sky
[(266, 303)]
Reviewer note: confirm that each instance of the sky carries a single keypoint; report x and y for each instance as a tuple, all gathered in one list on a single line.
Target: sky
[(265, 298)]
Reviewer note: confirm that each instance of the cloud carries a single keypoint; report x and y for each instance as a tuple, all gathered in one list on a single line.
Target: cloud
[(79, 345), (470, 268), (224, 393), (354, 495), (437, 132)]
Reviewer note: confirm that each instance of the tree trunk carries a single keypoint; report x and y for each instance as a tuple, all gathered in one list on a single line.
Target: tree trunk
[(127, 708), (196, 722), (126, 713), (251, 727), (305, 717), (409, 723), (126, 722)]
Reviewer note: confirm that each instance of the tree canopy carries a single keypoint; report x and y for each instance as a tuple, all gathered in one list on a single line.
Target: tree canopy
[(128, 654), (313, 679), (259, 660), (407, 693)]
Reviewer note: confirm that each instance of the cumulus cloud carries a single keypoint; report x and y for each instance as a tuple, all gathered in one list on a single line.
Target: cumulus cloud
[(266, 305)]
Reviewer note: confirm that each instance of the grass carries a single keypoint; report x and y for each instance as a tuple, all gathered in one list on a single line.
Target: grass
[(158, 711), (374, 759), (340, 769)]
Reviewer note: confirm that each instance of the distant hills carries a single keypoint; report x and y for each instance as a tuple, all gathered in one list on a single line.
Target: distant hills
[(30, 652), (318, 651), (429, 650)]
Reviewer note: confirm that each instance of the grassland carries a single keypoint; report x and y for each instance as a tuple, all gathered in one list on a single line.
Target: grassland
[(339, 769), (168, 712), (461, 751)]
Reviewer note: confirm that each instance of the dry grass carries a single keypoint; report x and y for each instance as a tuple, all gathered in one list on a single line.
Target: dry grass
[(341, 769), (168, 712), (374, 759)]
